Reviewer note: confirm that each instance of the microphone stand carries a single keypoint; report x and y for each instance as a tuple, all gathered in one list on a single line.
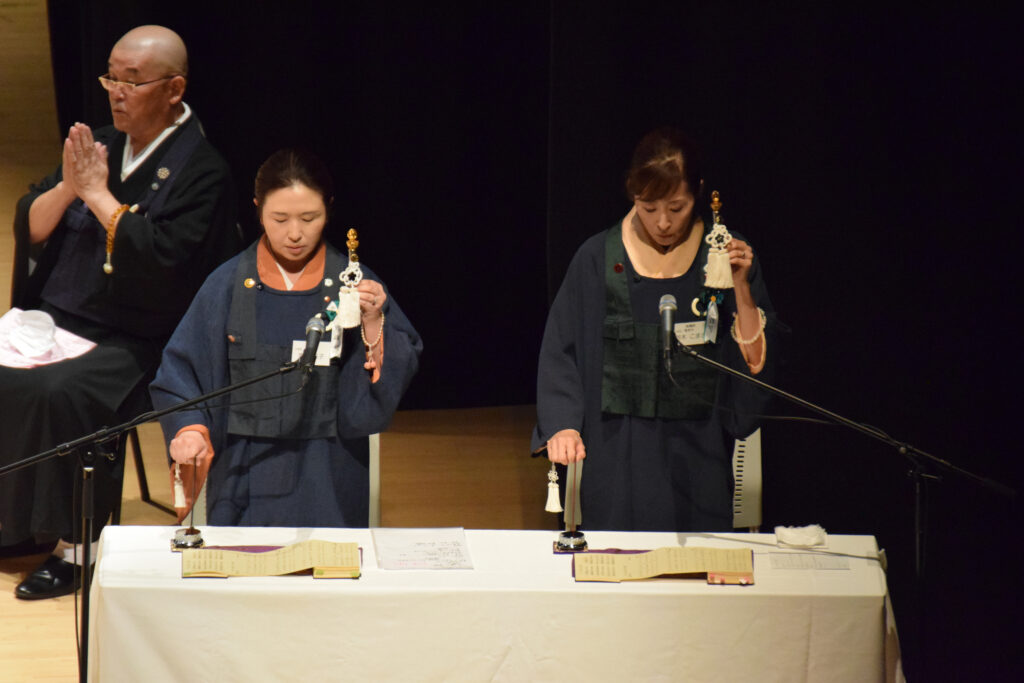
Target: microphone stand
[(87, 446), (918, 457)]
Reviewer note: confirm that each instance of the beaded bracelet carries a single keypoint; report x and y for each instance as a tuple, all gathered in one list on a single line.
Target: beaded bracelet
[(108, 267), (734, 329), (764, 356), (380, 334)]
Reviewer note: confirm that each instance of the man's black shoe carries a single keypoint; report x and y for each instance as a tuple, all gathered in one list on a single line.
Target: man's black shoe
[(53, 578)]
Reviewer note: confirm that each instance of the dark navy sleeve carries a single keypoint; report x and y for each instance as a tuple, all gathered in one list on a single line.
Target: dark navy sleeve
[(747, 402), (564, 351), (366, 407), (195, 360)]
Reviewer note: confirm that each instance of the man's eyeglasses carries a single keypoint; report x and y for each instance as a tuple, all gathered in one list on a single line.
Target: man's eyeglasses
[(111, 85)]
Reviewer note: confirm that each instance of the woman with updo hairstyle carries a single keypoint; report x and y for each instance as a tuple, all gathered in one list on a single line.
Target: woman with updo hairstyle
[(656, 449), (292, 450)]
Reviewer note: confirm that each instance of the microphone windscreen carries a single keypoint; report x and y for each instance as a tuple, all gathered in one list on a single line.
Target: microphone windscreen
[(668, 302), (315, 323)]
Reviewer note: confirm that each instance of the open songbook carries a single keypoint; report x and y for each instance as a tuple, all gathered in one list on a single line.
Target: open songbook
[(326, 559), (719, 565)]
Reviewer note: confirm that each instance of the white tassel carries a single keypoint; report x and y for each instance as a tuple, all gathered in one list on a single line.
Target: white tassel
[(179, 489), (718, 274), (553, 505)]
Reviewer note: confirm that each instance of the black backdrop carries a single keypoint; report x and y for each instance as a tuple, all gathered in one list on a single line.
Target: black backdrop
[(870, 154)]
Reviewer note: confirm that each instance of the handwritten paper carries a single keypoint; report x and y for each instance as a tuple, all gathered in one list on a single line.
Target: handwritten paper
[(720, 565), (422, 548)]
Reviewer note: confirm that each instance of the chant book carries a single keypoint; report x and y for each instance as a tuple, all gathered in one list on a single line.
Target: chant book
[(719, 565), (325, 559)]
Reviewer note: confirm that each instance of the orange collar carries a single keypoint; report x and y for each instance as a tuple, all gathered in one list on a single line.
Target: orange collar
[(266, 267)]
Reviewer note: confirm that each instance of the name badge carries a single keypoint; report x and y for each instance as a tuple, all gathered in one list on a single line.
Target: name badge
[(690, 334), (324, 351)]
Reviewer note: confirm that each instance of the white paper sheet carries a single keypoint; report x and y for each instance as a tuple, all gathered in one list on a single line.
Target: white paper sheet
[(444, 548)]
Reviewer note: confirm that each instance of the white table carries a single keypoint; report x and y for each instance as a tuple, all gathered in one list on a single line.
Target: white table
[(516, 616)]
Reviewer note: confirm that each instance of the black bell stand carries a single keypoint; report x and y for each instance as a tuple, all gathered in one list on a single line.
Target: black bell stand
[(87, 446)]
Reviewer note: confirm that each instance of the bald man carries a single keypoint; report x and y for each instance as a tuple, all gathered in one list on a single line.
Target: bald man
[(125, 231)]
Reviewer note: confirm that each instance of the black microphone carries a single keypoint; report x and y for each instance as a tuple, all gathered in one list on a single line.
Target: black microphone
[(667, 310), (314, 330)]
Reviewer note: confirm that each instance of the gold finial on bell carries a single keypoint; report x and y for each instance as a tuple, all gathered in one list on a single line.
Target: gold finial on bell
[(553, 504), (352, 244)]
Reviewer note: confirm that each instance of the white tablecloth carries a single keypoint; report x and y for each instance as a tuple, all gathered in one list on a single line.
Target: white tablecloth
[(516, 616)]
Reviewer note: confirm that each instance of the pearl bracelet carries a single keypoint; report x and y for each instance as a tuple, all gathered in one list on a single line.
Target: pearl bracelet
[(380, 334), (734, 329)]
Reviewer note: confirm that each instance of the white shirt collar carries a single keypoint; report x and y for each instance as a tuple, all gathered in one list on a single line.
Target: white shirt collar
[(130, 162), (289, 283)]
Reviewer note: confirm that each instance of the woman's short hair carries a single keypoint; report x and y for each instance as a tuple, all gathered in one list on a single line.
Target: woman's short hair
[(286, 167), (662, 160)]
